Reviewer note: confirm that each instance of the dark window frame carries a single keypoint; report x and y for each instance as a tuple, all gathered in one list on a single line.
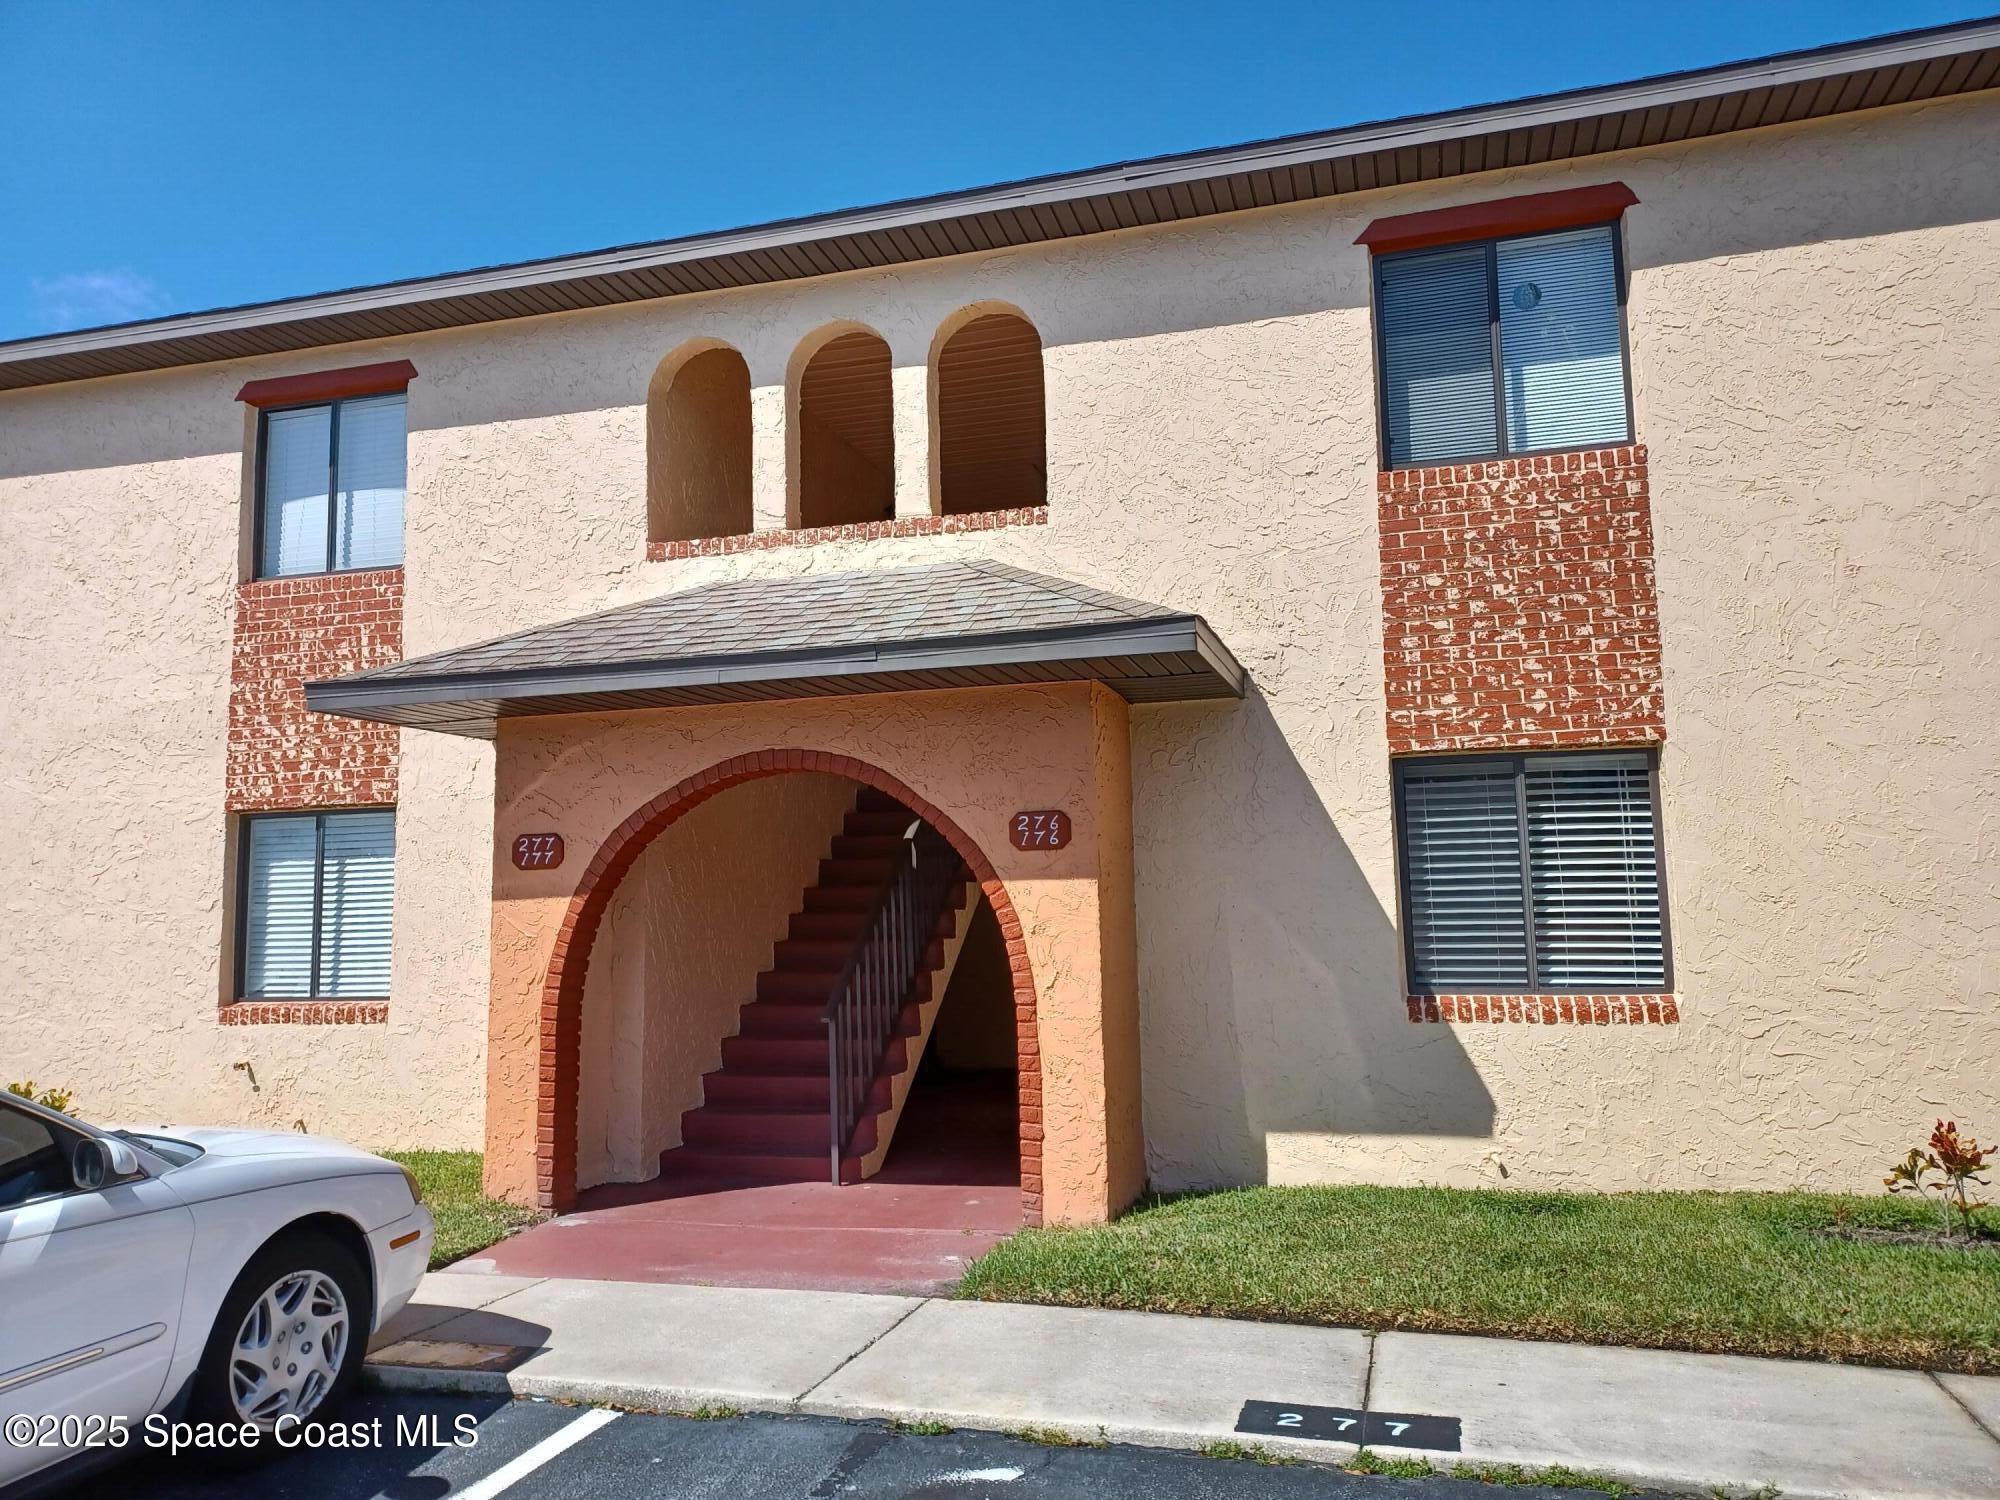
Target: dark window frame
[(259, 512), (1519, 762), (1490, 244), (319, 815)]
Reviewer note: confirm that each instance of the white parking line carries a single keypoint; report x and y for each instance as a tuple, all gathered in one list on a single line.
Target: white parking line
[(516, 1469)]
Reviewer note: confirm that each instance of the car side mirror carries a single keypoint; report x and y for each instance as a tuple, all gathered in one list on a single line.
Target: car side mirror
[(98, 1162)]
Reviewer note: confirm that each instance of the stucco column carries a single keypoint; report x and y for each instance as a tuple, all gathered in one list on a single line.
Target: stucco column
[(910, 395), (1079, 931), (1118, 947), (767, 457)]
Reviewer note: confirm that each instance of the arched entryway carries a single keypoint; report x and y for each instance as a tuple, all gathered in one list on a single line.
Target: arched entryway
[(564, 983)]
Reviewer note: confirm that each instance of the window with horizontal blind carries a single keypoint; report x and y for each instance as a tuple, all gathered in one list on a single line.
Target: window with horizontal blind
[(317, 903), (331, 485), (1533, 874), (1501, 347)]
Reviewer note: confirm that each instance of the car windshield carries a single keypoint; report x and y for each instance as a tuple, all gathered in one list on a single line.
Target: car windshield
[(179, 1153)]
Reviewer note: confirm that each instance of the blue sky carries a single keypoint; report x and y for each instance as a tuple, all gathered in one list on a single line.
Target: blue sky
[(160, 156)]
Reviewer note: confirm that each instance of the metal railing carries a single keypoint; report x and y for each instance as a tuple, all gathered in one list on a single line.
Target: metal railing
[(880, 974)]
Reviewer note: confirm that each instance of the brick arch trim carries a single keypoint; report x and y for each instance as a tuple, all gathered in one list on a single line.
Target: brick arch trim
[(561, 1025)]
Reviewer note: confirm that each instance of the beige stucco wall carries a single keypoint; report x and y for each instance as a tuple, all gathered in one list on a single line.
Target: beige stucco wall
[(1815, 312), (119, 551), (688, 932)]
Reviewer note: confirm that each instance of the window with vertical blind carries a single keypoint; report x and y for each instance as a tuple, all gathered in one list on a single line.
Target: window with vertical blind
[(330, 486), (317, 902), (1533, 874), (1501, 347)]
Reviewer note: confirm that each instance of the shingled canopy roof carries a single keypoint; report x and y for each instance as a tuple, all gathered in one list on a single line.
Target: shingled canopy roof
[(971, 624)]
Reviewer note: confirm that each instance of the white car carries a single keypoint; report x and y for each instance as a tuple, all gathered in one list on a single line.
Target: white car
[(213, 1276)]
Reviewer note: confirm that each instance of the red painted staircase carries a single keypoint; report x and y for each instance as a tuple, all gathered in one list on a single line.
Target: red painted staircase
[(764, 1115)]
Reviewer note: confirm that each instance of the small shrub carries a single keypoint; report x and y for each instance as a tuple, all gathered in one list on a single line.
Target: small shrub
[(58, 1099), (1944, 1172)]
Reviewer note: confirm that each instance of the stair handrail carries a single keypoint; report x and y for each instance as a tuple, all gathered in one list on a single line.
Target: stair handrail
[(869, 993)]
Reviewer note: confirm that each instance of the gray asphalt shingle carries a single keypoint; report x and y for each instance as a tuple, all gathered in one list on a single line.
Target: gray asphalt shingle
[(955, 625), (756, 615)]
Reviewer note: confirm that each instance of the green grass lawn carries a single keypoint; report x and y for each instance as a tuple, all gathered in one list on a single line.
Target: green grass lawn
[(467, 1220), (1737, 1272)]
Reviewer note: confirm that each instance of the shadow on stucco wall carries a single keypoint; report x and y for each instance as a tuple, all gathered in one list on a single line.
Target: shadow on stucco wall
[(1270, 984)]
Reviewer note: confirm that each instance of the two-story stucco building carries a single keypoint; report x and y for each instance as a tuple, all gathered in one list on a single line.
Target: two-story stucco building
[(1456, 650)]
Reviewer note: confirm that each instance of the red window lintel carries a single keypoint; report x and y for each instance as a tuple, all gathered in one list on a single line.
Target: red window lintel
[(330, 385), (1530, 213)]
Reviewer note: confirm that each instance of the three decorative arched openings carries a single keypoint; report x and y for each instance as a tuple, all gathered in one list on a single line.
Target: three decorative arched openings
[(988, 427)]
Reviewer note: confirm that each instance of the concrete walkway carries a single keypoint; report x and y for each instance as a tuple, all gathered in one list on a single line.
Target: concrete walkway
[(1677, 1421)]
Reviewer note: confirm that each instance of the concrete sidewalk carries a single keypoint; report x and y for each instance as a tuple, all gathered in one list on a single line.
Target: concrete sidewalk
[(1677, 1421)]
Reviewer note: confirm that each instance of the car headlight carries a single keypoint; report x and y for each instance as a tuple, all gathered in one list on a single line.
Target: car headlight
[(416, 1187)]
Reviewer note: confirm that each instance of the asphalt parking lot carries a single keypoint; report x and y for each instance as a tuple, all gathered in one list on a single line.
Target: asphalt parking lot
[(534, 1450)]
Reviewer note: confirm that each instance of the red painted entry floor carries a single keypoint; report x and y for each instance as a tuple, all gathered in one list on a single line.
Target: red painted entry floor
[(949, 1192)]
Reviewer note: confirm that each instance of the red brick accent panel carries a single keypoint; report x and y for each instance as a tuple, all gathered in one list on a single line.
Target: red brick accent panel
[(1548, 1010), (304, 1013), (562, 987), (1518, 604), (290, 631), (858, 531)]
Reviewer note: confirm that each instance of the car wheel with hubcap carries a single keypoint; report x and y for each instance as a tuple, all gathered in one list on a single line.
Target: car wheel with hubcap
[(289, 1339), (290, 1348)]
